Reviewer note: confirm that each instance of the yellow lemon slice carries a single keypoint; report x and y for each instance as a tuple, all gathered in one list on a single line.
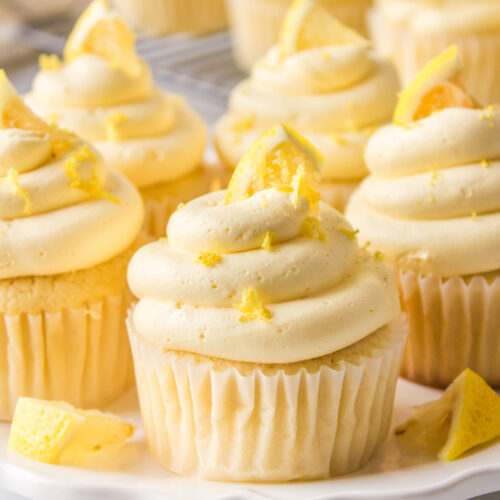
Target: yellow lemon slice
[(467, 415), (436, 87), (13, 112), (281, 159), (100, 31), (55, 432), (308, 25)]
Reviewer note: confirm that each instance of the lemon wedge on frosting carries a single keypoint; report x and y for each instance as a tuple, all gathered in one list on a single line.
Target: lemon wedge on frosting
[(55, 432), (100, 31), (308, 25), (281, 159), (467, 415), (435, 88)]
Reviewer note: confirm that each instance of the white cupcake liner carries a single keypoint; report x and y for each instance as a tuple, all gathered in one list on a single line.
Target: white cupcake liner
[(337, 194), (256, 24), (480, 54), (160, 17), (79, 355), (218, 424), (454, 323)]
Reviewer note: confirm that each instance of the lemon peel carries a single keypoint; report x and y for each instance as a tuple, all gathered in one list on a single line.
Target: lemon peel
[(467, 415), (379, 255), (272, 162), (242, 125), (350, 233), (309, 25), (55, 432), (49, 62), (208, 258), (311, 228), (13, 179), (112, 124), (252, 307), (100, 31), (267, 242), (435, 88), (485, 163)]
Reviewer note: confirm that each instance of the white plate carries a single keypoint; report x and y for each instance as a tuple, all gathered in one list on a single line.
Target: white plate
[(389, 475)]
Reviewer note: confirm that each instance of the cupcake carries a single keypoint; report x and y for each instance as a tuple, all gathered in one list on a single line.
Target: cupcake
[(255, 24), (152, 137), (431, 206), (67, 230), (162, 17), (322, 79), (415, 31), (266, 343)]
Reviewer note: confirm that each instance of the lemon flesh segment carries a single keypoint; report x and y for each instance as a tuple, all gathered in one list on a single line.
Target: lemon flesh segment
[(100, 31), (308, 25), (55, 432), (278, 159), (467, 415), (435, 88)]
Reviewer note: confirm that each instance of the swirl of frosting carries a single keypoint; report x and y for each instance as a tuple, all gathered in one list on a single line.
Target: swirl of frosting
[(61, 210), (322, 295), (147, 134), (333, 95), (432, 202)]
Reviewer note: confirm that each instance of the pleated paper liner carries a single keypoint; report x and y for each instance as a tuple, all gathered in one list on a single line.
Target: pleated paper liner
[(241, 422), (81, 355), (454, 323)]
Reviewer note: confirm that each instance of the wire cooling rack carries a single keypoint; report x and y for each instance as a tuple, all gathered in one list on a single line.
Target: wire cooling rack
[(201, 69)]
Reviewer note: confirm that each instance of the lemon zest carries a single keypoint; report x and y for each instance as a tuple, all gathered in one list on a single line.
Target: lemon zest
[(13, 178), (252, 307), (208, 258), (474, 216), (112, 123), (311, 228), (49, 62), (350, 233), (268, 241), (242, 125), (485, 163), (379, 255), (435, 176)]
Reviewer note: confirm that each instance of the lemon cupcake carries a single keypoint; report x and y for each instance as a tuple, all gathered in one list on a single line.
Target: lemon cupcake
[(255, 24), (103, 92), (161, 17), (415, 31), (266, 343), (432, 206), (322, 79), (67, 231)]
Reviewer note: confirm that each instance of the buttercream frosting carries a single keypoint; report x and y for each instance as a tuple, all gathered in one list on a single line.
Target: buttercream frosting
[(320, 295), (149, 135), (432, 201), (60, 210), (335, 96)]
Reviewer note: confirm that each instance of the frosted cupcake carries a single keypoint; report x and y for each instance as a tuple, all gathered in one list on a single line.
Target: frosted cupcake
[(266, 343), (324, 80), (255, 24), (415, 31), (103, 92), (432, 207), (67, 231)]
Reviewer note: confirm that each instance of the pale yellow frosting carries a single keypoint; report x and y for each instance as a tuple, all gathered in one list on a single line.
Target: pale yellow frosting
[(335, 96), (147, 134), (432, 202), (49, 225), (323, 295)]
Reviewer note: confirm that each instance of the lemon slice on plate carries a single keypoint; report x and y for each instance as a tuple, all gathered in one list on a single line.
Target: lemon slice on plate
[(308, 25), (435, 88), (281, 159), (100, 31), (467, 415), (55, 432)]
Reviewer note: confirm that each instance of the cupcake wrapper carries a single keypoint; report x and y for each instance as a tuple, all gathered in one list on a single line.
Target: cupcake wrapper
[(480, 54), (256, 24), (160, 17), (454, 323), (80, 355), (337, 194), (222, 425)]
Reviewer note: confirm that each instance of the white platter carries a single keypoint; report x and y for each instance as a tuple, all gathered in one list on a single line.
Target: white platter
[(390, 474)]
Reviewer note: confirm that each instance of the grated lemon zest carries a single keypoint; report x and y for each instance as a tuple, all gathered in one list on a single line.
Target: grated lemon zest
[(268, 241), (49, 62), (252, 307), (180, 205), (208, 259), (485, 163), (311, 228), (241, 126), (350, 233), (435, 176), (112, 123), (474, 216), (13, 178), (337, 139), (379, 255)]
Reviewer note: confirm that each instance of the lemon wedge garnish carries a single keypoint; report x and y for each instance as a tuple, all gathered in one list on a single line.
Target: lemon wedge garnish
[(281, 159), (467, 415), (55, 432), (436, 87), (100, 31), (308, 25)]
